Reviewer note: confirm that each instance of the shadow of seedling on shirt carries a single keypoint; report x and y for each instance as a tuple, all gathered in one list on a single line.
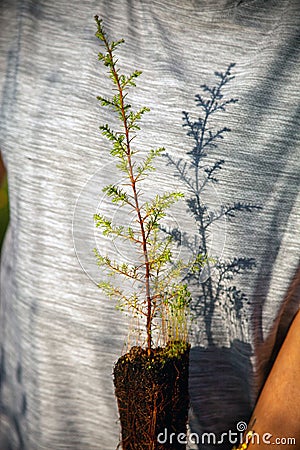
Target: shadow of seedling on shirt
[(217, 302), (210, 277)]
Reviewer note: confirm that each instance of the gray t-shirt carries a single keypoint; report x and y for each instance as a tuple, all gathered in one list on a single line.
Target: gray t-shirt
[(59, 335)]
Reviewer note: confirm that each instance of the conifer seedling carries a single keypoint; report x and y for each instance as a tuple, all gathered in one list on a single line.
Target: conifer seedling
[(151, 379), (157, 296)]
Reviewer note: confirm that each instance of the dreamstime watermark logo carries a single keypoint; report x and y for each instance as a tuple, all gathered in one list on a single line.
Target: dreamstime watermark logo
[(236, 437), (91, 200)]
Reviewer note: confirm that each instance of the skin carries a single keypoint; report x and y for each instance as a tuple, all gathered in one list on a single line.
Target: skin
[(277, 411)]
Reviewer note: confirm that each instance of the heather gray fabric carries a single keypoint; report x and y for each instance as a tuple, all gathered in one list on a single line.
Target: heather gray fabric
[(59, 336)]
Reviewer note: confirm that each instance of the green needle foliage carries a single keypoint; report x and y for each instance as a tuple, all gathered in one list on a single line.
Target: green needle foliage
[(158, 297)]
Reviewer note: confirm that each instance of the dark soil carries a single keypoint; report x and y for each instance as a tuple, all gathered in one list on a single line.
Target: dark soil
[(152, 394)]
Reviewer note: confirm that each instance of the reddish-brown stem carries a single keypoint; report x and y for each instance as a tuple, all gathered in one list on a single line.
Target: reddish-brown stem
[(136, 200)]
